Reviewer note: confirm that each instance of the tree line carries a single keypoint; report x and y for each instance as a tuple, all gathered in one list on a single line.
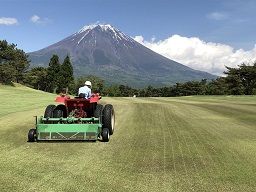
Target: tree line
[(238, 81), (14, 67)]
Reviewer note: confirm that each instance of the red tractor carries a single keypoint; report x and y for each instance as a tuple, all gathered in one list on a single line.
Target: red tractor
[(75, 119)]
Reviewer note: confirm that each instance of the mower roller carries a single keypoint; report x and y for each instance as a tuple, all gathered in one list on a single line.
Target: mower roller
[(74, 119)]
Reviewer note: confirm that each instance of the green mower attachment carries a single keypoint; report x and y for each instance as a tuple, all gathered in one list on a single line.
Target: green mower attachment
[(68, 129)]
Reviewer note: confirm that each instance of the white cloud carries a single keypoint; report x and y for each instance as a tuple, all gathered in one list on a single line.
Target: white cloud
[(38, 20), (198, 54), (139, 39), (35, 19), (8, 21), (217, 16)]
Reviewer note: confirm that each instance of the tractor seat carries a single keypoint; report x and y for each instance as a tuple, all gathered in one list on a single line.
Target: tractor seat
[(80, 96)]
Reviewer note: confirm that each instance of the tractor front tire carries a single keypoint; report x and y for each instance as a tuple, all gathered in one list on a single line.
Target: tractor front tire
[(49, 111), (105, 135), (32, 135), (109, 118)]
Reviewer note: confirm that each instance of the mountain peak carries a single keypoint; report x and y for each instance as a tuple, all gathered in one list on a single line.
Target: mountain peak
[(115, 34), (103, 27)]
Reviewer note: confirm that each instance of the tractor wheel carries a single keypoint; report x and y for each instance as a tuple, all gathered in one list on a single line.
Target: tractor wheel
[(105, 135), (98, 111), (49, 111), (32, 135), (57, 113), (109, 118), (60, 111)]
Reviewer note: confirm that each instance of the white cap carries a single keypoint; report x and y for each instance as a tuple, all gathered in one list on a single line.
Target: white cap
[(88, 83)]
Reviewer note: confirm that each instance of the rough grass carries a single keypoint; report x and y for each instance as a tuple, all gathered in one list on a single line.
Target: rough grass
[(160, 144)]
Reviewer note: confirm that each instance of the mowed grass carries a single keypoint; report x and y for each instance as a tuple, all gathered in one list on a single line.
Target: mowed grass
[(159, 144)]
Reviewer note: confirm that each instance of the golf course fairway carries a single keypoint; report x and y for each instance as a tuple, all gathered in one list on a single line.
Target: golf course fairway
[(199, 143)]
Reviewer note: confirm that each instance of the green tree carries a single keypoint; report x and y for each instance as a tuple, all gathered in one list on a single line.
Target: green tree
[(53, 75), (234, 81), (36, 78), (126, 91), (178, 89), (149, 91), (6, 74), (248, 77), (112, 91), (66, 77), (13, 63), (20, 64), (217, 87)]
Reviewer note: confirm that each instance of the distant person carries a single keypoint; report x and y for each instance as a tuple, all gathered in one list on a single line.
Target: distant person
[(85, 91)]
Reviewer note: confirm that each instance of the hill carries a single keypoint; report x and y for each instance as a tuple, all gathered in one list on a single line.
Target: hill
[(159, 144), (105, 51)]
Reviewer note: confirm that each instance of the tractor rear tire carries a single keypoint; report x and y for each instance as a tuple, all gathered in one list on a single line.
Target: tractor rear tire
[(32, 135), (57, 113), (98, 112), (109, 118), (60, 111), (105, 135), (49, 111)]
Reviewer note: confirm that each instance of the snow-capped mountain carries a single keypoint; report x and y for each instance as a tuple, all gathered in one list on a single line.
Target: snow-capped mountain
[(105, 51)]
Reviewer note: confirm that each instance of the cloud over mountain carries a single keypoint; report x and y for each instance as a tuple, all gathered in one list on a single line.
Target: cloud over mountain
[(198, 54)]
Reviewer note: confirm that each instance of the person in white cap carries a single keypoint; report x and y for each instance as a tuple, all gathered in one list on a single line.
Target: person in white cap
[(85, 91)]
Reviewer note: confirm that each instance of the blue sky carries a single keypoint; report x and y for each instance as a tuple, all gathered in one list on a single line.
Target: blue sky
[(228, 22), (222, 21)]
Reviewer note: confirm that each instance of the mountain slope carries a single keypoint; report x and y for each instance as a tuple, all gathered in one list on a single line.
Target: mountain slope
[(105, 51)]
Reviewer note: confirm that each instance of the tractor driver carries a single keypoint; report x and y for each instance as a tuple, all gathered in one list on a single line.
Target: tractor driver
[(85, 91)]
